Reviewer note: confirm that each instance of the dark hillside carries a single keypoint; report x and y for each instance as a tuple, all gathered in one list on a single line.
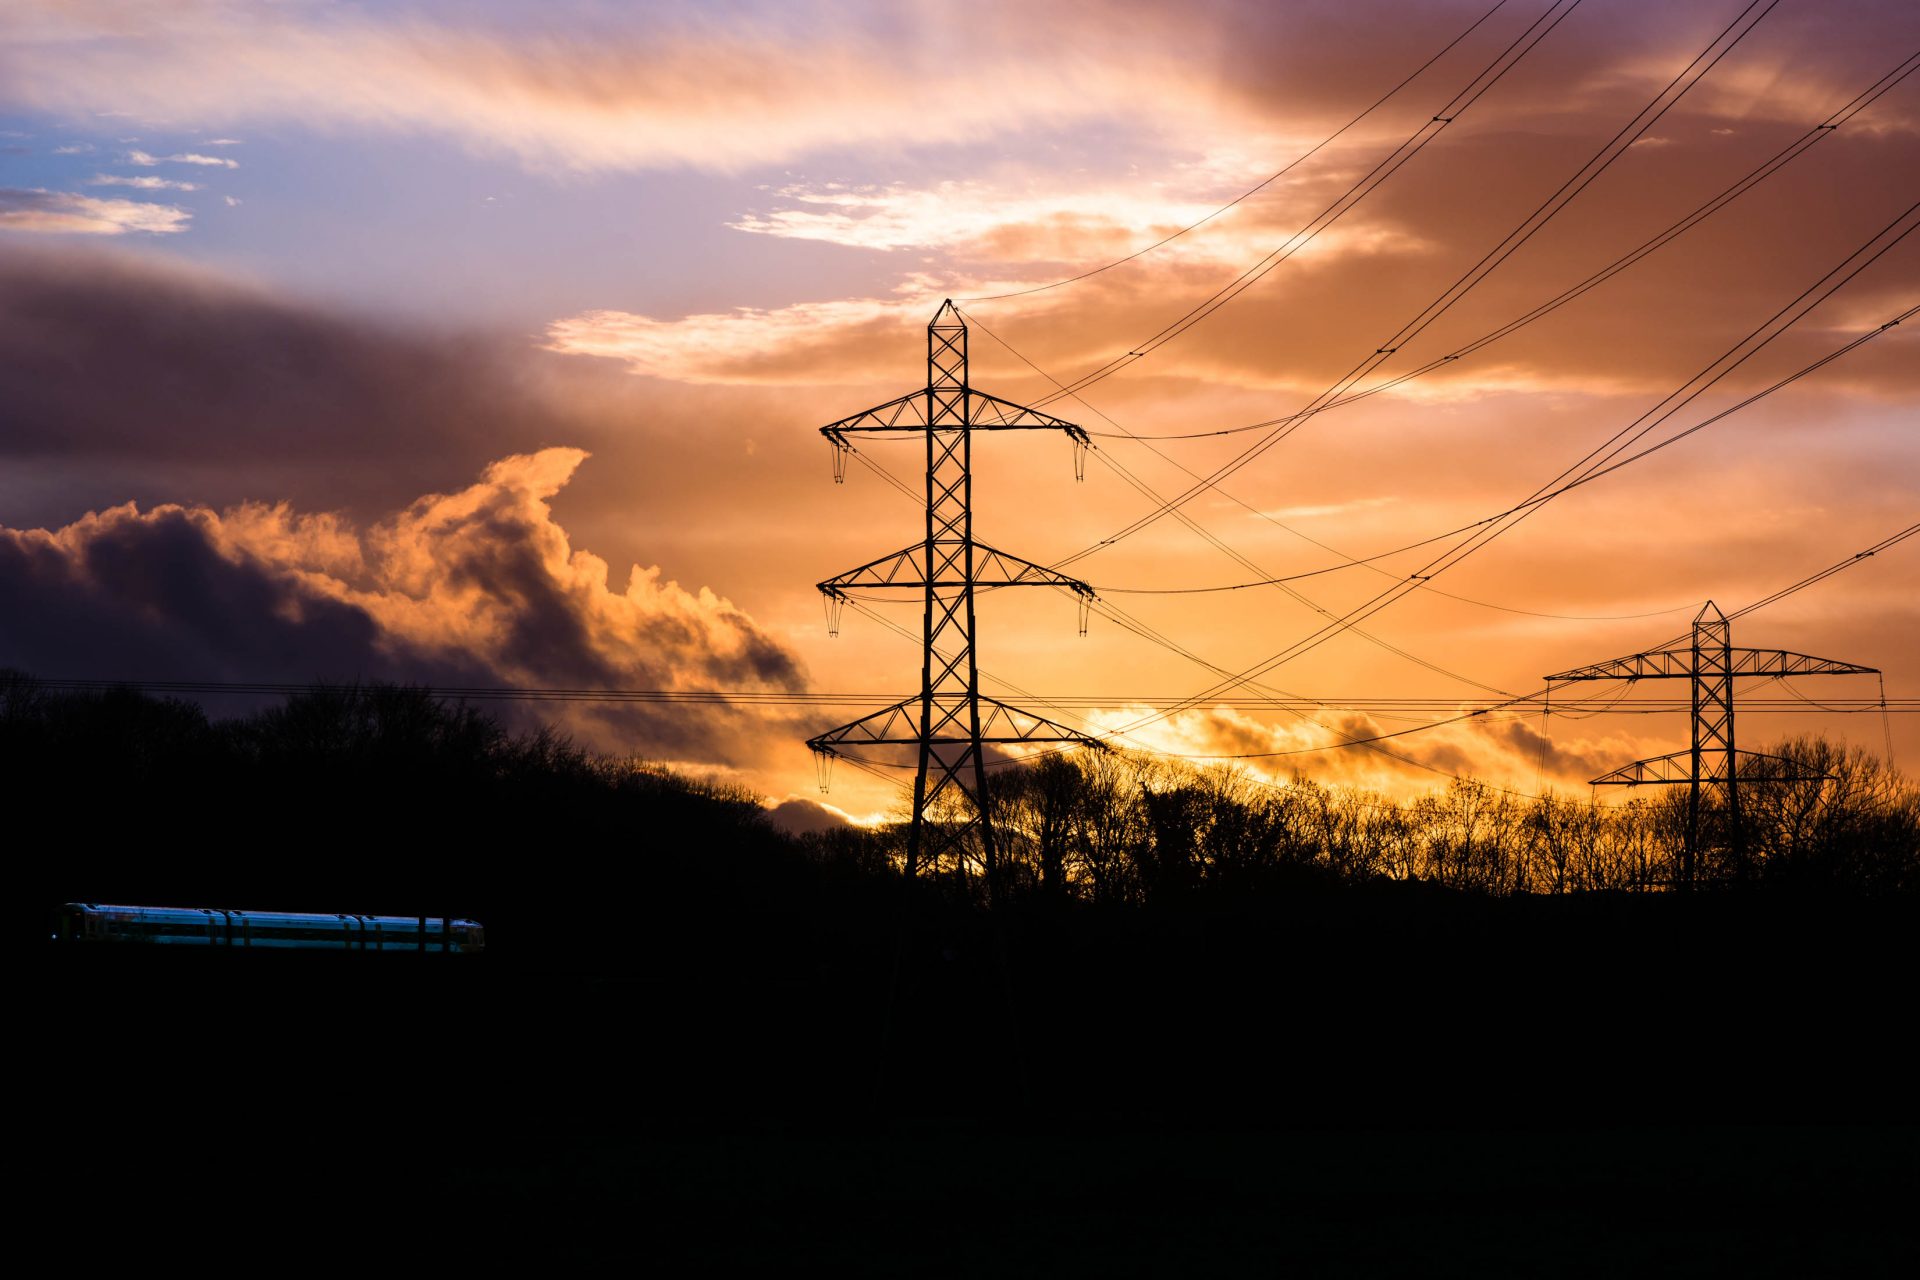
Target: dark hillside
[(695, 1040), (388, 801)]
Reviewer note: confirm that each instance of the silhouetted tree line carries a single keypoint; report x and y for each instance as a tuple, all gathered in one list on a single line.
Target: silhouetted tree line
[(1107, 827), (386, 799)]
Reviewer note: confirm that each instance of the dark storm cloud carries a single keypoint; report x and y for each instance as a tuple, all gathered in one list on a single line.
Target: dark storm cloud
[(1556, 759), (476, 587), (126, 595), (109, 363)]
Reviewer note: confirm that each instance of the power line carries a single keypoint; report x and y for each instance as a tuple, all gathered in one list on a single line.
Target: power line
[(1480, 529), (1859, 102), (1804, 583), (1612, 150), (1725, 364), (1829, 571), (1415, 142), (1519, 235), (810, 698), (1541, 498), (1842, 115), (1614, 447), (1258, 187), (1615, 462), (1766, 169), (1896, 706), (1237, 680), (1206, 534)]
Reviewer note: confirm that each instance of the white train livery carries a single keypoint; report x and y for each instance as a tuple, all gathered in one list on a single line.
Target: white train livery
[(201, 927)]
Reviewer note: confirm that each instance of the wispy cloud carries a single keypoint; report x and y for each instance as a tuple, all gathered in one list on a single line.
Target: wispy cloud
[(680, 85), (146, 160), (64, 213), (1326, 509), (143, 183), (680, 88), (803, 343), (973, 214)]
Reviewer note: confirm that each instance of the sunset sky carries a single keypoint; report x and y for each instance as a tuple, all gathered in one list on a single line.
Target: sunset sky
[(485, 343)]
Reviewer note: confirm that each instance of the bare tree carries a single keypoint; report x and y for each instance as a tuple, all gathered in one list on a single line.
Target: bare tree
[(1856, 828)]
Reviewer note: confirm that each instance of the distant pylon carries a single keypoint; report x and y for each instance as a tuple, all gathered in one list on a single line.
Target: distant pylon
[(950, 721), (1709, 661)]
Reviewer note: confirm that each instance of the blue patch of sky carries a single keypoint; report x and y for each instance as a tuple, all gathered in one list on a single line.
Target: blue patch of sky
[(421, 229), (56, 156)]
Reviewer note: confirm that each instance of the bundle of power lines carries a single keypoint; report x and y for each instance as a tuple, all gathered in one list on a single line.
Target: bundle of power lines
[(1648, 433)]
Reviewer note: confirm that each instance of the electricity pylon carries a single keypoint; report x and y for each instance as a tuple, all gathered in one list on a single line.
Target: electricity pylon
[(950, 721), (1709, 661)]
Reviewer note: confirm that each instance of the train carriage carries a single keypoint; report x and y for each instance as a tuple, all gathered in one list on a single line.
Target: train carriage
[(204, 927)]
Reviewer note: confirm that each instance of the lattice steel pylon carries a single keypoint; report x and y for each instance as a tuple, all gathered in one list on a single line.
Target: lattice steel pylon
[(1710, 662), (950, 721)]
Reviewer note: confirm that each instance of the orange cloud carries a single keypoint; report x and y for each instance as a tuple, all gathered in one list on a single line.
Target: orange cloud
[(1520, 753), (478, 586)]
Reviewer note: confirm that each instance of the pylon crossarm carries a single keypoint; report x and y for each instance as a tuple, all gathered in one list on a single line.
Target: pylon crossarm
[(1753, 766), (984, 413), (999, 719), (905, 568), (991, 413), (1757, 766), (1677, 664), (995, 568), (1657, 664), (1677, 767), (886, 725), (899, 725), (907, 413), (828, 743), (1781, 662), (991, 568)]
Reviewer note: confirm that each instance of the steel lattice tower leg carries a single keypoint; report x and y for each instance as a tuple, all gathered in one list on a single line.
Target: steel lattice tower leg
[(948, 619), (1713, 754)]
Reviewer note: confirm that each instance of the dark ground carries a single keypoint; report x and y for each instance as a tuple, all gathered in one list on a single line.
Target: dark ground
[(1350, 1084)]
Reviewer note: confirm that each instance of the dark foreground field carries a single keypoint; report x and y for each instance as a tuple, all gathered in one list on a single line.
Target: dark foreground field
[(1350, 1085)]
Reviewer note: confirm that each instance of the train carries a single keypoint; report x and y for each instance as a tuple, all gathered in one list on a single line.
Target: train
[(214, 927)]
